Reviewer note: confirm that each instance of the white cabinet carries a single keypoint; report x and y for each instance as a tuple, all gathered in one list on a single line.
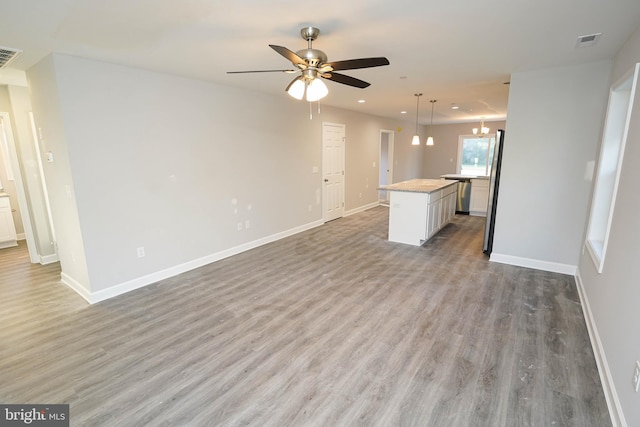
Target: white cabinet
[(434, 219), (479, 197), (415, 217), (7, 227)]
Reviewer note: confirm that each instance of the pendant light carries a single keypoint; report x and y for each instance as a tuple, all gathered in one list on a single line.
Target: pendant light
[(483, 130), (416, 138), (430, 139)]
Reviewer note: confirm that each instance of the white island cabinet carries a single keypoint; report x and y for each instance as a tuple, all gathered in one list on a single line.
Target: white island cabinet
[(419, 208), (7, 227)]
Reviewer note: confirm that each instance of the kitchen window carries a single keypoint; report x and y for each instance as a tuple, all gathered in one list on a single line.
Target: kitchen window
[(475, 154)]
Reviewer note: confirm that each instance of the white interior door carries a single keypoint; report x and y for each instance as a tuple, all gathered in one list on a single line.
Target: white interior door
[(386, 163), (333, 142)]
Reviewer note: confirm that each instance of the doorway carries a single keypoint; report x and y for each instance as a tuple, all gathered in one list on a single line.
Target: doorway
[(386, 164), (333, 145), (35, 218)]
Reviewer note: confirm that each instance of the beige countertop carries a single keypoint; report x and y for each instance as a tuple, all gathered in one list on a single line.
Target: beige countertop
[(419, 185), (458, 176)]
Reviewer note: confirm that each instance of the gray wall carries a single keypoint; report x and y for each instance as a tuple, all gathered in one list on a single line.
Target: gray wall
[(613, 296), (442, 157), (154, 160), (553, 127)]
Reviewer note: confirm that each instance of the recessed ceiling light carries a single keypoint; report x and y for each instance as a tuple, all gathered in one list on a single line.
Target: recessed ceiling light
[(361, 101), (454, 107), (403, 112)]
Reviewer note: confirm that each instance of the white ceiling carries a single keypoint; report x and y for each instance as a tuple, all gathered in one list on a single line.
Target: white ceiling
[(455, 51)]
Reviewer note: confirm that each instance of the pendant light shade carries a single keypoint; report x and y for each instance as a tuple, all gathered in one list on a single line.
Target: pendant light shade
[(482, 130), (416, 138), (296, 89), (430, 139), (309, 87), (316, 90)]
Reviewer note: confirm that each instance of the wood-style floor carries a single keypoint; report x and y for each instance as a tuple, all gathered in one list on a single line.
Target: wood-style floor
[(333, 326)]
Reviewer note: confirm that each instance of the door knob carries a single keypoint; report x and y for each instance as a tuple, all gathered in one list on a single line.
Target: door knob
[(326, 180)]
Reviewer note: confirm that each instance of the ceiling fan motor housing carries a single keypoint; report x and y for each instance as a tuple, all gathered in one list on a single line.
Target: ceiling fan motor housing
[(313, 57)]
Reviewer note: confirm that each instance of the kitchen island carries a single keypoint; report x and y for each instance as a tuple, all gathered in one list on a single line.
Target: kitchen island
[(419, 208)]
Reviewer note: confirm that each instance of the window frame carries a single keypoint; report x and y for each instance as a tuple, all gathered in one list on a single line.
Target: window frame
[(461, 138), (607, 179)]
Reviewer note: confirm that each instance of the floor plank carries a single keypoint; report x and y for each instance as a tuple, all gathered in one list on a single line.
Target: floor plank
[(333, 326)]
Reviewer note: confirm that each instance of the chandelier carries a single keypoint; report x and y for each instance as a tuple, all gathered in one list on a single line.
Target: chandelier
[(482, 131)]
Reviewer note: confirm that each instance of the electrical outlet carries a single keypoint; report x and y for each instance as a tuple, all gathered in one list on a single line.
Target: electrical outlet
[(247, 224), (140, 252), (636, 377), (239, 226)]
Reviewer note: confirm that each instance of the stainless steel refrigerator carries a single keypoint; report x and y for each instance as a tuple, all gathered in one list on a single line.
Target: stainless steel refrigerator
[(494, 184)]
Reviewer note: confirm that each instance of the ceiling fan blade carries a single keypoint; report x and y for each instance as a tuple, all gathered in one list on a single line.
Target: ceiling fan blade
[(262, 71), (352, 64), (346, 80), (291, 56)]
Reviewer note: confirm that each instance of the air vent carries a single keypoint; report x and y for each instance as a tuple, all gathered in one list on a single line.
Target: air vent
[(588, 40), (7, 55)]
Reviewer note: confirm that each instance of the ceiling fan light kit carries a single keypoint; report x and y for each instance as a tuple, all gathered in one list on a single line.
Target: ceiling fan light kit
[(313, 67)]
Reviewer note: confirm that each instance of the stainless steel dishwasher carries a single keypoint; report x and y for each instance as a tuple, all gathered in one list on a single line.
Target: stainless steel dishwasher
[(464, 192), (464, 196)]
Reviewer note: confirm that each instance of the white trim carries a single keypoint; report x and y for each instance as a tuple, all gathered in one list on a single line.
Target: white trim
[(21, 194), (534, 263), (76, 286), (49, 259), (610, 395), (597, 241), (113, 291), (20, 236), (362, 208), (8, 244)]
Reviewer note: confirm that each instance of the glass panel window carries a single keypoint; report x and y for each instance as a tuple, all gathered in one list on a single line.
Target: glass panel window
[(475, 154), (621, 99)]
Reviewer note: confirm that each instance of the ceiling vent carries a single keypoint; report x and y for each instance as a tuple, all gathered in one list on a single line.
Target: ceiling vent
[(7, 55), (588, 40)]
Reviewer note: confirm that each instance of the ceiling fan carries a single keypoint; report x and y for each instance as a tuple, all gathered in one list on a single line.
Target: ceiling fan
[(312, 63)]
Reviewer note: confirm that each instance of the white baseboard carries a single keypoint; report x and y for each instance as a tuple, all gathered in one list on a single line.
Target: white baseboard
[(49, 259), (148, 279), (21, 236), (534, 263), (361, 208), (610, 394), (76, 286)]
